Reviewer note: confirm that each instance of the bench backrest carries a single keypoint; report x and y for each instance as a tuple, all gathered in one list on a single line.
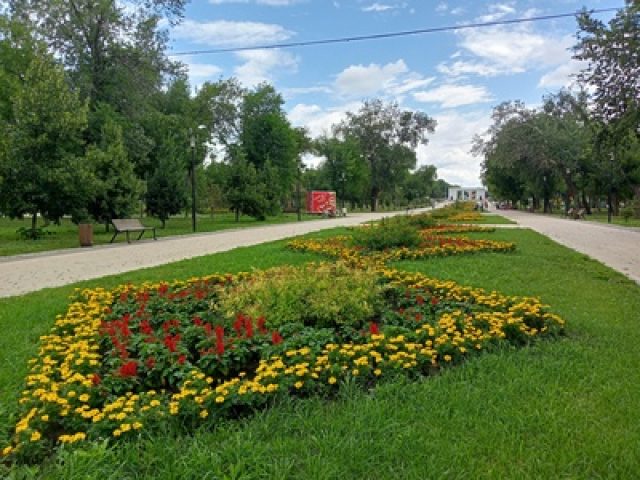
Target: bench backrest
[(122, 224)]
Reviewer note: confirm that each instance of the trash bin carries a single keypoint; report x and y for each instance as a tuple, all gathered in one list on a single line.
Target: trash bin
[(86, 234)]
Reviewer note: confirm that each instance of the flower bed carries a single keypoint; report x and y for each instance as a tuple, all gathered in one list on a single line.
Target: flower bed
[(137, 357), (432, 244)]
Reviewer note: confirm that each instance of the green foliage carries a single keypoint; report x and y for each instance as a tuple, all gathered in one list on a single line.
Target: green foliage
[(388, 234), (32, 233), (244, 193), (166, 193), (41, 167), (117, 188), (387, 137), (320, 296)]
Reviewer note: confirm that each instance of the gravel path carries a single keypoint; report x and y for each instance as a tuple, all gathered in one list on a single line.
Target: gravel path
[(616, 247), (27, 273)]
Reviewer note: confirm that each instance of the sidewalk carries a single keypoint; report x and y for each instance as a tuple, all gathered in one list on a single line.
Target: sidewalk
[(27, 273), (616, 247)]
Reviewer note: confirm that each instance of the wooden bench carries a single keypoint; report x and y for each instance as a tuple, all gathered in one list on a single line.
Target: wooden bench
[(127, 225)]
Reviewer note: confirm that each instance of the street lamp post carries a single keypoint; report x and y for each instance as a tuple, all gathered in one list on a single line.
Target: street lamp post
[(192, 144), (343, 177), (610, 195)]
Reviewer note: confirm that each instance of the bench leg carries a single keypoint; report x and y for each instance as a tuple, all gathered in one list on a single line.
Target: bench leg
[(114, 236), (141, 233), (128, 240), (154, 233)]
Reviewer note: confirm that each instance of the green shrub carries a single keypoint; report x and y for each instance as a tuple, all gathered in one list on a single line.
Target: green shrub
[(390, 234), (317, 295)]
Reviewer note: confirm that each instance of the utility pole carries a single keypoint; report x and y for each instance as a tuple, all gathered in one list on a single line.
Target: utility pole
[(193, 180)]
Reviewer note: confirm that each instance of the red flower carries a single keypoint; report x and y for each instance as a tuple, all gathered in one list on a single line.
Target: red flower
[(248, 326), (124, 296), (145, 327), (208, 329), (374, 329), (419, 300), (261, 325), (418, 317), (182, 359), (238, 323), (95, 379), (434, 300), (129, 369), (276, 338), (171, 342), (197, 321), (162, 289), (220, 340), (150, 363)]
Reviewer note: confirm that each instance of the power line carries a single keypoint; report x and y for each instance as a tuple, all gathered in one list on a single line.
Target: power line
[(379, 36)]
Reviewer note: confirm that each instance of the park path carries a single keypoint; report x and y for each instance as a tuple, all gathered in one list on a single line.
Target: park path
[(616, 247), (27, 273)]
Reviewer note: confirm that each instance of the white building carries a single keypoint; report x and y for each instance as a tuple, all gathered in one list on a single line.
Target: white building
[(467, 194)]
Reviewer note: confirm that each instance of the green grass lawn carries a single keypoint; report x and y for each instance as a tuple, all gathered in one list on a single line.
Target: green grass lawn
[(493, 219), (559, 409), (65, 235)]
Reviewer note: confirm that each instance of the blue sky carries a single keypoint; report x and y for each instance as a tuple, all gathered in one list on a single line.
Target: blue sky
[(455, 77)]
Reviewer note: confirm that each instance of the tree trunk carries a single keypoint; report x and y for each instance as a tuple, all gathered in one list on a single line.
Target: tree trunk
[(34, 221), (237, 214), (585, 203), (164, 221)]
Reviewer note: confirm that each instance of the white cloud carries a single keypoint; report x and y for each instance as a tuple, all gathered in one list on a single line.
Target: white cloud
[(496, 12), (231, 34), (366, 80), (451, 95), (378, 7), (449, 147), (203, 70), (462, 68), (260, 65), (318, 120), (562, 76), (295, 91)]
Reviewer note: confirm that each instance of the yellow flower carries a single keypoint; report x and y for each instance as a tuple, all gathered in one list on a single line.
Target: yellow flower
[(204, 414), (136, 425), (35, 436), (219, 399), (7, 450), (377, 372), (84, 397), (45, 418), (298, 385), (447, 358), (117, 432)]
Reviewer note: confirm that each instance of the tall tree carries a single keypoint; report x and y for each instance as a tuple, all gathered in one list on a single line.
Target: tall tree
[(117, 190), (386, 134), (612, 55), (41, 167)]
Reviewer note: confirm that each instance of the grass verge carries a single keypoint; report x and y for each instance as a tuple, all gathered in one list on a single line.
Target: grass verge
[(563, 409), (66, 234)]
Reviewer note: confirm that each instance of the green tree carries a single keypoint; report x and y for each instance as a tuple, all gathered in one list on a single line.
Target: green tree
[(117, 189), (386, 135), (245, 194), (166, 193), (269, 141), (41, 166)]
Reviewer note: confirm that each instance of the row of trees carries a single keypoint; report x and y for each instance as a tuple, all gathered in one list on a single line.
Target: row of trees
[(96, 118), (580, 147)]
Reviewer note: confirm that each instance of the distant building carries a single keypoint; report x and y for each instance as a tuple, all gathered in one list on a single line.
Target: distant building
[(467, 194)]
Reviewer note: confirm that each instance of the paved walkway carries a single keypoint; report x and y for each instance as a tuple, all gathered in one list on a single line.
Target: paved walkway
[(616, 247), (27, 273)]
